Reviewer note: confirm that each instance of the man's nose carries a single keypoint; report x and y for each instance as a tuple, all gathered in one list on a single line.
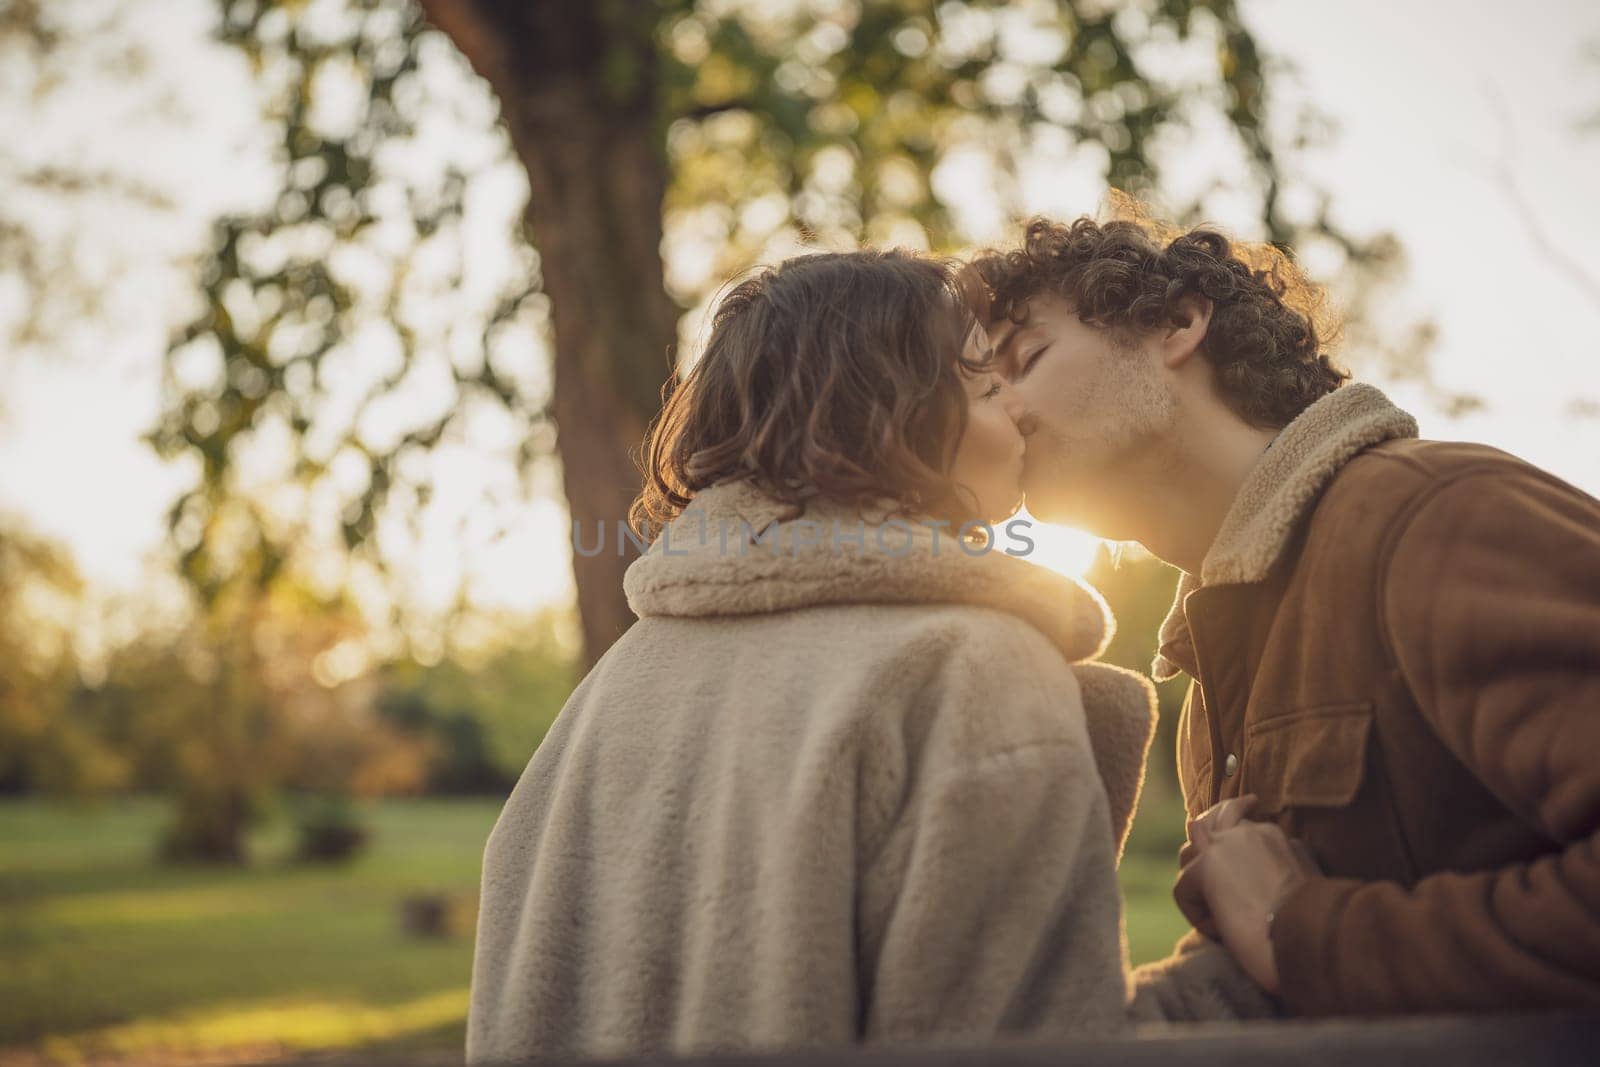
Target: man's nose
[(1016, 408)]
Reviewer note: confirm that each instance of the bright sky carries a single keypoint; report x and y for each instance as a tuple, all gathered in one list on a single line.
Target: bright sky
[(1430, 97)]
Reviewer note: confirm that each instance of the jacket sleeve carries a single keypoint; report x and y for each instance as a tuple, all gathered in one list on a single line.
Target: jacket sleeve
[(992, 905), (1492, 611)]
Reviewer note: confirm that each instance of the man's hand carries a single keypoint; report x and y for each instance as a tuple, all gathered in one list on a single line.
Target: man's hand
[(1244, 872), (1187, 893)]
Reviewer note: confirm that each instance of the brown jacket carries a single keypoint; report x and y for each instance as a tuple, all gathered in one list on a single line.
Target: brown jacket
[(1395, 644)]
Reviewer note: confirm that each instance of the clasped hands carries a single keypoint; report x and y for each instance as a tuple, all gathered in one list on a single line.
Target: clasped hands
[(1234, 873)]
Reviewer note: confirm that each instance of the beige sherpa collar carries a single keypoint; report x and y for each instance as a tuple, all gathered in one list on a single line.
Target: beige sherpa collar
[(705, 564), (1279, 491)]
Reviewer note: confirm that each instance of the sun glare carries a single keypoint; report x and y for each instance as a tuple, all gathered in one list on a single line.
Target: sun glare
[(1061, 548)]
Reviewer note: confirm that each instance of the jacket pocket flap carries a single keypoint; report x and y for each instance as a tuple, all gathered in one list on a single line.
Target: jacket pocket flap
[(1315, 757)]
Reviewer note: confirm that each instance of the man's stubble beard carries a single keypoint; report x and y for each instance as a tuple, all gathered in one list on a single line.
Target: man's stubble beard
[(1092, 482)]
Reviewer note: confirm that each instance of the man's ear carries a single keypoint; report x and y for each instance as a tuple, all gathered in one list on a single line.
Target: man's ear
[(1184, 337)]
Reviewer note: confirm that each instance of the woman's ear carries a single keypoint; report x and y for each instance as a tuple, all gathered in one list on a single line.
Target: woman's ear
[(1188, 332)]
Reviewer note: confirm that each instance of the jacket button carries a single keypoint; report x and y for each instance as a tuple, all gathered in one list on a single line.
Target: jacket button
[(1230, 766)]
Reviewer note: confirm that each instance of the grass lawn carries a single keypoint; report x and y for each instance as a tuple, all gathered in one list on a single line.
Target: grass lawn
[(104, 952), (101, 949)]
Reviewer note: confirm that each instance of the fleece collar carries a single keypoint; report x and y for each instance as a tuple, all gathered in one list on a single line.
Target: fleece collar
[(1280, 490), (705, 563)]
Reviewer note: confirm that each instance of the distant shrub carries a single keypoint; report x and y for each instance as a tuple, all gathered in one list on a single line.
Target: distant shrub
[(330, 831), (483, 716)]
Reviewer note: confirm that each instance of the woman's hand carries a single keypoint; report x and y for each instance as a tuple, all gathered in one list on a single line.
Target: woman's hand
[(1187, 892), (1244, 871)]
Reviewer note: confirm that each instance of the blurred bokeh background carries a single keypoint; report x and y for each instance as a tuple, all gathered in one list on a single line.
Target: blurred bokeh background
[(321, 322)]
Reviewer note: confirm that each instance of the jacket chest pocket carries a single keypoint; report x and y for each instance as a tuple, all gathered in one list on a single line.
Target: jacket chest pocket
[(1315, 773)]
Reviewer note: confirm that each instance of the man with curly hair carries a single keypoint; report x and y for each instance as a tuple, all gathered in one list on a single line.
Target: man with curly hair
[(1388, 748)]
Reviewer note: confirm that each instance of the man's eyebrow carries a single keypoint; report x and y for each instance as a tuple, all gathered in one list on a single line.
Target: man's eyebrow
[(1005, 340), (1013, 332), (1004, 346), (1001, 336)]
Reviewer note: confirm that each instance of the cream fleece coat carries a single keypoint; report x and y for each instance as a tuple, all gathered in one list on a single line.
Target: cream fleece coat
[(841, 784)]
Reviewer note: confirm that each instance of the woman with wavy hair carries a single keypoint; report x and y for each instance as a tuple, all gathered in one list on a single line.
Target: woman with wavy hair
[(849, 778)]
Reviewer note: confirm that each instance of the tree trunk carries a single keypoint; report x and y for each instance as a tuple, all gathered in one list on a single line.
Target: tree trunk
[(578, 88)]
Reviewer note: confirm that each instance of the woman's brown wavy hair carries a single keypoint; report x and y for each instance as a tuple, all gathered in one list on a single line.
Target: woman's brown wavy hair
[(1269, 325), (836, 374)]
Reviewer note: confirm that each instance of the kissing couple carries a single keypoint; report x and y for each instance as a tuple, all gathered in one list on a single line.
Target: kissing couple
[(824, 793)]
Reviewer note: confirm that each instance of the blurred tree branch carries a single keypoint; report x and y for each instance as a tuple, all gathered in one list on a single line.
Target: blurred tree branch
[(1591, 55), (1503, 171), (43, 47)]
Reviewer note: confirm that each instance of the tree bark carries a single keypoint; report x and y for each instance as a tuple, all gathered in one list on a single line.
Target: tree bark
[(577, 84)]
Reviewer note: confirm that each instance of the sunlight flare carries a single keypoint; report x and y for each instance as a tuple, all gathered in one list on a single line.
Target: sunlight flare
[(1063, 549)]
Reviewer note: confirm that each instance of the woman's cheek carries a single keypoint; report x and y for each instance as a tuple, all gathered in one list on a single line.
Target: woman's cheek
[(1002, 438)]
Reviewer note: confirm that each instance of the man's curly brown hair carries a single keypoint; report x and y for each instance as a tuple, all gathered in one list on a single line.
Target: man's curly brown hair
[(1269, 325)]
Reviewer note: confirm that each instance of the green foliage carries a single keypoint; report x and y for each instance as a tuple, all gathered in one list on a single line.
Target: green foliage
[(825, 121), (238, 706), (831, 119), (485, 719), (356, 250), (239, 722), (50, 738)]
